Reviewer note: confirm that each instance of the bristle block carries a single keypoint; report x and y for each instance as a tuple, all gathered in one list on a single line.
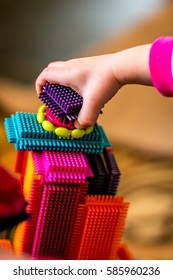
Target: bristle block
[(37, 139), (65, 97)]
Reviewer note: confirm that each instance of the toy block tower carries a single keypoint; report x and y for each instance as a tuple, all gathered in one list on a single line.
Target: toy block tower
[(69, 178)]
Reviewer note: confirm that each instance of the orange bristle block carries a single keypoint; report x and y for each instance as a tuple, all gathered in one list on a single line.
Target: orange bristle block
[(99, 233)]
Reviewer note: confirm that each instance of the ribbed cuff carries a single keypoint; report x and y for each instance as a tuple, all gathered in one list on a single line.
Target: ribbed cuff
[(161, 65)]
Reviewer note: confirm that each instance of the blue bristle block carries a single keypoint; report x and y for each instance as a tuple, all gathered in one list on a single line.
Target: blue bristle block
[(26, 133)]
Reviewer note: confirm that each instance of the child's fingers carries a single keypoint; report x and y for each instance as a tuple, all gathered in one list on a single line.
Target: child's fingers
[(88, 114), (56, 64), (54, 75)]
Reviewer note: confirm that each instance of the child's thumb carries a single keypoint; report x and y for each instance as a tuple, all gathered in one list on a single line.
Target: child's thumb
[(88, 114)]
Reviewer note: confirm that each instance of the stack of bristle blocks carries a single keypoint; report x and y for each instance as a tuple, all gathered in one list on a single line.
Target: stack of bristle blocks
[(70, 186)]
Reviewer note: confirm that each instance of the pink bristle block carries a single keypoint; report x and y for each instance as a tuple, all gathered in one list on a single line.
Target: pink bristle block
[(59, 121), (56, 219), (62, 167)]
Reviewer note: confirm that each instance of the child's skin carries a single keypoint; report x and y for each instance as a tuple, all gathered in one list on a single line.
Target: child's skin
[(97, 79)]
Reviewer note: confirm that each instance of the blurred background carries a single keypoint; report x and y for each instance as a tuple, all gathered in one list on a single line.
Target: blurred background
[(34, 33)]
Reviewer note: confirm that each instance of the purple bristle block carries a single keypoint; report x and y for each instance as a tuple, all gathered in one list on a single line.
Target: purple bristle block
[(65, 97), (106, 173), (58, 112), (72, 117), (62, 101), (51, 104)]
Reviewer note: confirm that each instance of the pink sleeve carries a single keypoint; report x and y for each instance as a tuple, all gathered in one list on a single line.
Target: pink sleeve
[(161, 65)]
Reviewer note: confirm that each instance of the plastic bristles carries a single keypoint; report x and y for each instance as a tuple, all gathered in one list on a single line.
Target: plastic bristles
[(59, 122), (98, 235), (69, 184), (62, 167), (55, 222), (66, 98), (106, 173), (114, 173), (27, 134)]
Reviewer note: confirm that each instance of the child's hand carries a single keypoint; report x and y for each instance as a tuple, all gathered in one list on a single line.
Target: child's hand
[(93, 78), (98, 78)]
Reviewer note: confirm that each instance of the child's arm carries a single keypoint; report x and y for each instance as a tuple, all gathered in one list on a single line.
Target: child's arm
[(99, 78)]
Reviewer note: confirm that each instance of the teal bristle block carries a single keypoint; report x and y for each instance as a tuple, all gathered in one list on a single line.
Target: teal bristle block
[(26, 133)]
